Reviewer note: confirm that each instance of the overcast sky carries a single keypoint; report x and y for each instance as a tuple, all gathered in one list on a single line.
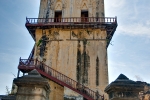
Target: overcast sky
[(129, 54)]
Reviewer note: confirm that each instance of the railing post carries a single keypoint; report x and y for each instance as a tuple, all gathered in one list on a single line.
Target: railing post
[(116, 19), (36, 62), (19, 59), (27, 20), (18, 73)]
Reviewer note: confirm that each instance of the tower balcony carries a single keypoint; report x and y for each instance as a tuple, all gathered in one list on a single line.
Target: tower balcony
[(104, 23), (73, 22)]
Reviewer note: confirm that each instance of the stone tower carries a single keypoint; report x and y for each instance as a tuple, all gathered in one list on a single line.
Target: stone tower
[(72, 36)]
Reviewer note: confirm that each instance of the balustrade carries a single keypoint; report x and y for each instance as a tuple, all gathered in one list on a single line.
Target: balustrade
[(72, 20)]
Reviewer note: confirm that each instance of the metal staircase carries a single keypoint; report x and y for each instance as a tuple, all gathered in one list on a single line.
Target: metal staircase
[(26, 65)]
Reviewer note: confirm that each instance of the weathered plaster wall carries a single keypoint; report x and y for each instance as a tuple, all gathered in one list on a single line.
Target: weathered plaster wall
[(62, 55), (57, 91), (31, 93)]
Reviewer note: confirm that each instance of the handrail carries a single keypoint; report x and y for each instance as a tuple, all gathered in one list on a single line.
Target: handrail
[(72, 19), (81, 89), (32, 53)]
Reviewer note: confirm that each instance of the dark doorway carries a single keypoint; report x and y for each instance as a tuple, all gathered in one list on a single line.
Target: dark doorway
[(58, 16), (84, 16)]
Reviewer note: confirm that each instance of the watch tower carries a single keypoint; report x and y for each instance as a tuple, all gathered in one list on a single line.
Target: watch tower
[(71, 40)]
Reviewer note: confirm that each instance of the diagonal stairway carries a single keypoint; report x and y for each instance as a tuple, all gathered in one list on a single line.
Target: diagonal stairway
[(26, 65)]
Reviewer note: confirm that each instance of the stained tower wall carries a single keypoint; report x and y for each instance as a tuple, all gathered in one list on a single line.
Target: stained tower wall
[(64, 55)]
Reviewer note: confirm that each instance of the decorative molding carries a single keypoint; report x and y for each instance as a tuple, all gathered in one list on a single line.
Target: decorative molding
[(84, 4), (78, 3), (65, 4), (58, 5)]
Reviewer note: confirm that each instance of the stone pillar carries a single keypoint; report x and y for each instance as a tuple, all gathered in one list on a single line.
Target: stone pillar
[(32, 87)]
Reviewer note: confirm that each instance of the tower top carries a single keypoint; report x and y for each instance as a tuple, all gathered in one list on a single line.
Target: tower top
[(71, 8), (122, 77), (72, 14)]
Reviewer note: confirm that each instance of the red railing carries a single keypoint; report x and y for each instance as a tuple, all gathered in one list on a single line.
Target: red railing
[(59, 78), (72, 20)]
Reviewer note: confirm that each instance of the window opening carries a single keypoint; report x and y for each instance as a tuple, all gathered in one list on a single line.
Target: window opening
[(58, 16), (84, 16)]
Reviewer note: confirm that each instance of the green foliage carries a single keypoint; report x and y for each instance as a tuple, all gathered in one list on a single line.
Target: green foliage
[(39, 42), (84, 41)]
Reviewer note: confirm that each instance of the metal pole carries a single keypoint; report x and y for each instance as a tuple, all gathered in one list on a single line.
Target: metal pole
[(18, 73)]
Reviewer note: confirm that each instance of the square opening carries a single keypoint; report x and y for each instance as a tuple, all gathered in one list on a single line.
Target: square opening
[(84, 16), (58, 16)]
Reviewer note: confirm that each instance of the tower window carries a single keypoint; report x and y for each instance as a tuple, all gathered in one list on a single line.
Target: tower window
[(84, 16), (97, 71), (58, 16)]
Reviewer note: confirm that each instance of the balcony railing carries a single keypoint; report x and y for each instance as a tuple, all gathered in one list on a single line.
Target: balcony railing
[(75, 20)]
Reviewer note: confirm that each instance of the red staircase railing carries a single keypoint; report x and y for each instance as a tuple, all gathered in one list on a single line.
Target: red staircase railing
[(26, 65)]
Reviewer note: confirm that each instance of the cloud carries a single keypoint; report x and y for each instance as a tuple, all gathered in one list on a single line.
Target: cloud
[(117, 3), (148, 22), (138, 78), (135, 29), (133, 16), (5, 82), (112, 8), (10, 56)]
